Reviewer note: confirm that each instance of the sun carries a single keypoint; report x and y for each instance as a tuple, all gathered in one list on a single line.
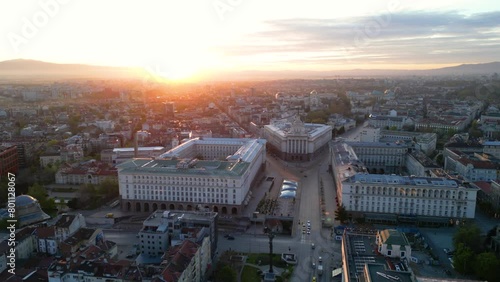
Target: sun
[(180, 66)]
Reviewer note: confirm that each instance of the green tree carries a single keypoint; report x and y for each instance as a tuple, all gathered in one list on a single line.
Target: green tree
[(38, 192), (469, 236), (226, 274), (486, 266), (341, 214), (463, 260)]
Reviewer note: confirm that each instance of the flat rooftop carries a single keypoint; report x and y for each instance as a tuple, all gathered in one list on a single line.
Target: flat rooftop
[(183, 166), (409, 180), (161, 217)]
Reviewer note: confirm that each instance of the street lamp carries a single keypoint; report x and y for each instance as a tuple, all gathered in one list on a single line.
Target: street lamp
[(271, 236)]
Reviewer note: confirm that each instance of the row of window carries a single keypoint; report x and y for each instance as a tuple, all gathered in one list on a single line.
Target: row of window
[(182, 189), (401, 200), (401, 210), (396, 191), (182, 199)]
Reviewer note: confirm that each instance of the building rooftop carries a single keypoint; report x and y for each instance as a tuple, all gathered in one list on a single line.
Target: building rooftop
[(409, 180), (393, 237), (183, 166), (162, 217)]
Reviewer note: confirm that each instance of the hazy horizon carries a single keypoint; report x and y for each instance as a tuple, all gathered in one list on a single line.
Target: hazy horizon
[(177, 40)]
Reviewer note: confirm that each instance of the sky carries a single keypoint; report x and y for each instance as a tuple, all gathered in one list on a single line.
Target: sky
[(183, 38)]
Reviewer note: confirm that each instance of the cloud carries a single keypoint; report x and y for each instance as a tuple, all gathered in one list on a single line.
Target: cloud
[(404, 37)]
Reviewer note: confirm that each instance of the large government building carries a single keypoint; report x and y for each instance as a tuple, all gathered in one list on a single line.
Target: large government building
[(297, 141), (396, 199), (212, 174)]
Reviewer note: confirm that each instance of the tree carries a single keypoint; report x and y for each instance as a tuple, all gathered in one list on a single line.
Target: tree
[(463, 259), (226, 274), (469, 236), (341, 214), (486, 266), (38, 192)]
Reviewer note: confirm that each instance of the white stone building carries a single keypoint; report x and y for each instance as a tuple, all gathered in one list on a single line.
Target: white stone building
[(297, 141), (211, 173), (414, 196)]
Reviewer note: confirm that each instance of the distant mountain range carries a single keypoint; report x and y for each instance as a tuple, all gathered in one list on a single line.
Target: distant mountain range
[(22, 70)]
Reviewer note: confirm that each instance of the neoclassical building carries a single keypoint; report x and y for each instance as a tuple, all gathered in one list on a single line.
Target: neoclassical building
[(203, 173), (408, 196), (296, 140)]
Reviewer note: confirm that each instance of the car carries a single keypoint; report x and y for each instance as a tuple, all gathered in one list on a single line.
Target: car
[(230, 237), (308, 222), (303, 232), (397, 268), (313, 264), (308, 232), (320, 259), (314, 279), (313, 246), (446, 250)]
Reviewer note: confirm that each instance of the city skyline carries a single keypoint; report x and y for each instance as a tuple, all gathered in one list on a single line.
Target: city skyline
[(181, 40)]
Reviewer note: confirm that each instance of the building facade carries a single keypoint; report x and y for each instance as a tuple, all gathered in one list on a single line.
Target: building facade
[(409, 196), (8, 160), (381, 157), (297, 141), (205, 174)]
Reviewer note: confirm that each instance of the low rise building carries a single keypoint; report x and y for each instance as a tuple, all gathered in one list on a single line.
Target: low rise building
[(89, 172)]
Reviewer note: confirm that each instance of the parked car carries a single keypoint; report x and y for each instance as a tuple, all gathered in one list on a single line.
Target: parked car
[(313, 246)]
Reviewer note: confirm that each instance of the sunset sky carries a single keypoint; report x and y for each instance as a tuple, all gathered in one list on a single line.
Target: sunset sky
[(182, 38)]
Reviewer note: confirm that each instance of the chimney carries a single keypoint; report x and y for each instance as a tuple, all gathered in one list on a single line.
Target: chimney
[(136, 149)]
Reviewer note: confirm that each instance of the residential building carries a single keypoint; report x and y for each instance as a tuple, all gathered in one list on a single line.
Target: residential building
[(82, 237), (490, 192), (165, 228), (8, 160), (362, 261), (187, 262), (67, 225), (46, 239), (209, 173), (393, 243), (89, 172), (472, 166), (492, 148), (49, 159)]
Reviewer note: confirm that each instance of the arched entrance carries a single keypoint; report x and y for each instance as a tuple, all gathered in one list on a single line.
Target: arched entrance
[(146, 207), (224, 210), (129, 206), (163, 206), (216, 209), (171, 207), (137, 207), (155, 206), (189, 207), (234, 211), (180, 207)]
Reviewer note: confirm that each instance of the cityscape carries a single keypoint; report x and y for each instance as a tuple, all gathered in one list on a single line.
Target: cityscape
[(242, 141)]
